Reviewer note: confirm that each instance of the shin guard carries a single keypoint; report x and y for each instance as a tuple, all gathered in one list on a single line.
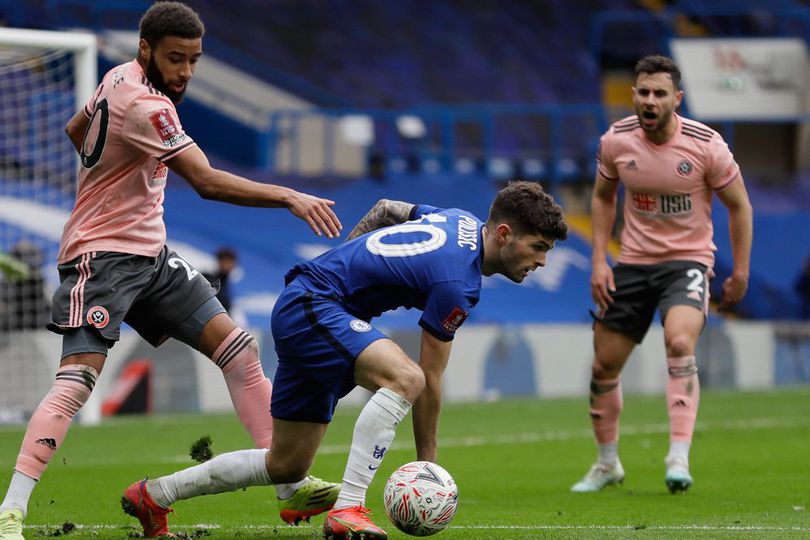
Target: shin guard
[(606, 406), (683, 397), (238, 358), (50, 422)]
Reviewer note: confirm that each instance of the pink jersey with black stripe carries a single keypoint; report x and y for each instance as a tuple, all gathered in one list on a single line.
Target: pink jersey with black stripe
[(119, 205), (668, 189)]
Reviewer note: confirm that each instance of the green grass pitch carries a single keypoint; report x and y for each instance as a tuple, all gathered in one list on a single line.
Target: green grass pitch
[(514, 462)]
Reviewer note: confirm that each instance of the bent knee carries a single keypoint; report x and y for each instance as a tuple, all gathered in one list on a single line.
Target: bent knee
[(410, 381), (602, 369), (416, 380), (680, 345)]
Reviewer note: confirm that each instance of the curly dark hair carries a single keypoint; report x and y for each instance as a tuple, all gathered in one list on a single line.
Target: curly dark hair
[(528, 209), (170, 19), (655, 63)]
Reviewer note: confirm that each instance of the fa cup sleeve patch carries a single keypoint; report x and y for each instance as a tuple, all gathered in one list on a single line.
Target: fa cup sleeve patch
[(454, 320), (166, 128)]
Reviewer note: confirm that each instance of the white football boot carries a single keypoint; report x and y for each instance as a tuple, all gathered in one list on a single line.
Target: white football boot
[(599, 476), (11, 525), (678, 478)]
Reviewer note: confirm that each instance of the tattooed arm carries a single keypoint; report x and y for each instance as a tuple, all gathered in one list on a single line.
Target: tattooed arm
[(382, 214)]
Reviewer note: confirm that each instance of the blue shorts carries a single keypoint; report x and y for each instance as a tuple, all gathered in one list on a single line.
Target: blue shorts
[(317, 342)]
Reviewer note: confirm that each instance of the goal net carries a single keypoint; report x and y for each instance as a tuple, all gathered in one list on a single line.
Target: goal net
[(45, 77)]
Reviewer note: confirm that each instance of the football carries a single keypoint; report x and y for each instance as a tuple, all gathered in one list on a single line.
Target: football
[(420, 498)]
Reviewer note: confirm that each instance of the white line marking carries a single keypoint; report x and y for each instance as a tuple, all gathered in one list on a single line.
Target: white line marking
[(483, 527)]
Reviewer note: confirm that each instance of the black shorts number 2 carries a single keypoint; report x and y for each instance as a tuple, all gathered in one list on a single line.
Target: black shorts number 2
[(151, 294), (643, 288)]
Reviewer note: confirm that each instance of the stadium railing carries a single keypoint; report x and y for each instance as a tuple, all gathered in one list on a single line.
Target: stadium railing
[(619, 37), (551, 142)]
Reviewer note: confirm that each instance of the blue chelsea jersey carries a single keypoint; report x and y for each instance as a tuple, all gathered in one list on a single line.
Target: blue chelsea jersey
[(432, 263)]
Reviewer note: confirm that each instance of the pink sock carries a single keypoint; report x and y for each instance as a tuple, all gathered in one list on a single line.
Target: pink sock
[(683, 396), (606, 405), (238, 358), (50, 422)]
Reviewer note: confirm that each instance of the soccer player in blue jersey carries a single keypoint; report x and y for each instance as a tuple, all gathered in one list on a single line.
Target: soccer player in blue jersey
[(399, 255)]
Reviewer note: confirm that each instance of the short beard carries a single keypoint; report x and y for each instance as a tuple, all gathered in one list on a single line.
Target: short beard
[(514, 275), (156, 78), (660, 123)]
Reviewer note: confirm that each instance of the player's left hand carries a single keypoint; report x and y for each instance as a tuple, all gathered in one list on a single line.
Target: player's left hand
[(734, 289), (317, 213)]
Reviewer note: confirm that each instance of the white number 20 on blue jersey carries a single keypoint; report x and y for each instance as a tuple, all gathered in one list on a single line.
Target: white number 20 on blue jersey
[(438, 237)]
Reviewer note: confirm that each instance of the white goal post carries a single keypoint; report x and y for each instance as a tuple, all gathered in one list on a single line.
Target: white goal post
[(83, 46), (45, 77)]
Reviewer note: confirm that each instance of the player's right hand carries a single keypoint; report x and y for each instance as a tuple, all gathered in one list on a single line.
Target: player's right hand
[(316, 212), (734, 289), (602, 285)]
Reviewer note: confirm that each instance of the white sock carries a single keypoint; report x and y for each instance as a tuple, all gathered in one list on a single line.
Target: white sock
[(373, 433), (19, 491), (285, 491), (679, 449), (609, 453), (226, 472)]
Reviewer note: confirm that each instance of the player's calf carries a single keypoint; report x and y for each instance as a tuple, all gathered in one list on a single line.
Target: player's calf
[(238, 358), (50, 422), (683, 397)]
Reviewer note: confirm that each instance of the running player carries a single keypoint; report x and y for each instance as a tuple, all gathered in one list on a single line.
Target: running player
[(670, 166), (426, 258), (113, 262)]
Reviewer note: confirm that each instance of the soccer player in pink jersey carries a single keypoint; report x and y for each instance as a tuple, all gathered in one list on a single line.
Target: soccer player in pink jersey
[(670, 166), (114, 265)]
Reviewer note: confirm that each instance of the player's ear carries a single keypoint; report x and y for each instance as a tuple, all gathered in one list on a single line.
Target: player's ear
[(144, 50), (504, 231), (678, 98)]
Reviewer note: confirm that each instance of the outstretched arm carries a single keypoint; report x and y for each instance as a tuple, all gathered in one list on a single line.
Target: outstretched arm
[(433, 357), (223, 186), (382, 214)]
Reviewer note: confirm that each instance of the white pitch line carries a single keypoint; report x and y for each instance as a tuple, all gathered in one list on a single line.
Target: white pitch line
[(633, 527), (540, 527)]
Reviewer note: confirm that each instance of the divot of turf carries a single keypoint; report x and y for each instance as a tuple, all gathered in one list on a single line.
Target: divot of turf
[(64, 529), (200, 450)]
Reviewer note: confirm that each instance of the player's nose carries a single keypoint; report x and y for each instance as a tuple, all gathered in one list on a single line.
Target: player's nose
[(186, 71)]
